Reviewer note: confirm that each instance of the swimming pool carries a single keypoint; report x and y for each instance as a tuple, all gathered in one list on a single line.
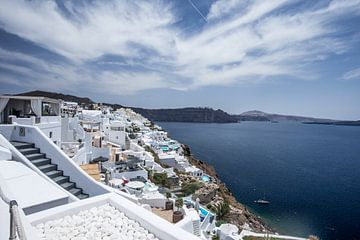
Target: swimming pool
[(165, 148), (203, 211), (205, 178)]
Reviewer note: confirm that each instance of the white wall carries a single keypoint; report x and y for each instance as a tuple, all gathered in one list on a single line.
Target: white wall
[(156, 225), (67, 135), (154, 202), (80, 157), (186, 222), (53, 130), (117, 137), (100, 152), (5, 154), (135, 147)]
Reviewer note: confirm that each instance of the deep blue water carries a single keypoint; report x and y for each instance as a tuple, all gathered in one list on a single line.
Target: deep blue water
[(310, 173)]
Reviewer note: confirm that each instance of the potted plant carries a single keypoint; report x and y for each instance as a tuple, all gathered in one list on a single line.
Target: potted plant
[(168, 203), (178, 215)]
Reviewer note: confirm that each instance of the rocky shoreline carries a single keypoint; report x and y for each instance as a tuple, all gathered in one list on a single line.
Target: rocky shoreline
[(239, 214)]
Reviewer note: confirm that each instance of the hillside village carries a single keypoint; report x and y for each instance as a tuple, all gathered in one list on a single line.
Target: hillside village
[(93, 150)]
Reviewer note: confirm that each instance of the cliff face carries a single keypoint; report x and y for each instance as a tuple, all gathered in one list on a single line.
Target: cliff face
[(202, 115), (239, 214)]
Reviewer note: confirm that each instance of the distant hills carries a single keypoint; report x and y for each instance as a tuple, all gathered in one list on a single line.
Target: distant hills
[(190, 114), (68, 98), (197, 114), (262, 116)]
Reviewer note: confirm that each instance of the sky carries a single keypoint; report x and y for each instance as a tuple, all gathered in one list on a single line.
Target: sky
[(281, 56)]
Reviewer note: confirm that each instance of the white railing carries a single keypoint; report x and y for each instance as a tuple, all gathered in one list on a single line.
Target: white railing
[(24, 121), (16, 228), (50, 119), (35, 120)]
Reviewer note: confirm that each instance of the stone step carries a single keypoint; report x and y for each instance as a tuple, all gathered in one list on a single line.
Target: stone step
[(35, 156), (48, 167), (22, 145), (54, 173), (68, 185), (75, 191), (27, 151), (61, 179), (83, 196), (41, 161)]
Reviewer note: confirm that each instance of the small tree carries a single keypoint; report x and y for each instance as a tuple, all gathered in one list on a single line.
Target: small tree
[(168, 195), (179, 202)]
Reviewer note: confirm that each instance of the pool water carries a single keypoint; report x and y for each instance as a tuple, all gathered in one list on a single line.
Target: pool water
[(203, 211), (205, 178), (165, 148)]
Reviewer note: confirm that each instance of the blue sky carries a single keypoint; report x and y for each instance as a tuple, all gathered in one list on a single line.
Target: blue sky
[(281, 56)]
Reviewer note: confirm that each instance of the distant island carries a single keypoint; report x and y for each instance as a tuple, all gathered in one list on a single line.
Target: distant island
[(341, 123), (270, 117), (198, 114)]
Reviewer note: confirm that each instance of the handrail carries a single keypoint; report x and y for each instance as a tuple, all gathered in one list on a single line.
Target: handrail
[(16, 227)]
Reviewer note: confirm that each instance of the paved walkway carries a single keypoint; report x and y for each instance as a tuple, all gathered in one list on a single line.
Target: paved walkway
[(92, 170), (165, 214)]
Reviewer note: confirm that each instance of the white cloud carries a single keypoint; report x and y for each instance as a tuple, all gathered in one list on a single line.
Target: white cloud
[(353, 74), (92, 30), (37, 73), (222, 7), (251, 42)]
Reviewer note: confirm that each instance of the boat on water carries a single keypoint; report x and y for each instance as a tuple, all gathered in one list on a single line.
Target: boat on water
[(261, 201)]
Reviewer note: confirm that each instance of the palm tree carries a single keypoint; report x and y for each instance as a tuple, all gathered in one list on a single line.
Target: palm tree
[(222, 210)]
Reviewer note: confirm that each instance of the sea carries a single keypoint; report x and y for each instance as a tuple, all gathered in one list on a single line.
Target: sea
[(309, 173)]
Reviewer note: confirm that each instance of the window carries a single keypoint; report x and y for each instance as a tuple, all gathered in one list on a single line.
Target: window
[(117, 128), (49, 109)]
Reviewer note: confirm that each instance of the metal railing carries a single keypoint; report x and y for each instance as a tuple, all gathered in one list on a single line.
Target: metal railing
[(16, 228), (17, 231)]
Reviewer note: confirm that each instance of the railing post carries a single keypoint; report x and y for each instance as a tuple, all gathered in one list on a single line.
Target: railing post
[(107, 177), (12, 221)]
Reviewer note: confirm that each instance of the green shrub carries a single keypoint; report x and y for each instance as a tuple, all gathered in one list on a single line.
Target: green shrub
[(190, 188), (219, 222), (161, 179)]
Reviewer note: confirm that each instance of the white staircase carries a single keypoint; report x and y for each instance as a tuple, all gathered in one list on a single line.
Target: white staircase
[(196, 227)]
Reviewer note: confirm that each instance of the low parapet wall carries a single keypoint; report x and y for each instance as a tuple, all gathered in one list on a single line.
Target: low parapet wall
[(156, 225)]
